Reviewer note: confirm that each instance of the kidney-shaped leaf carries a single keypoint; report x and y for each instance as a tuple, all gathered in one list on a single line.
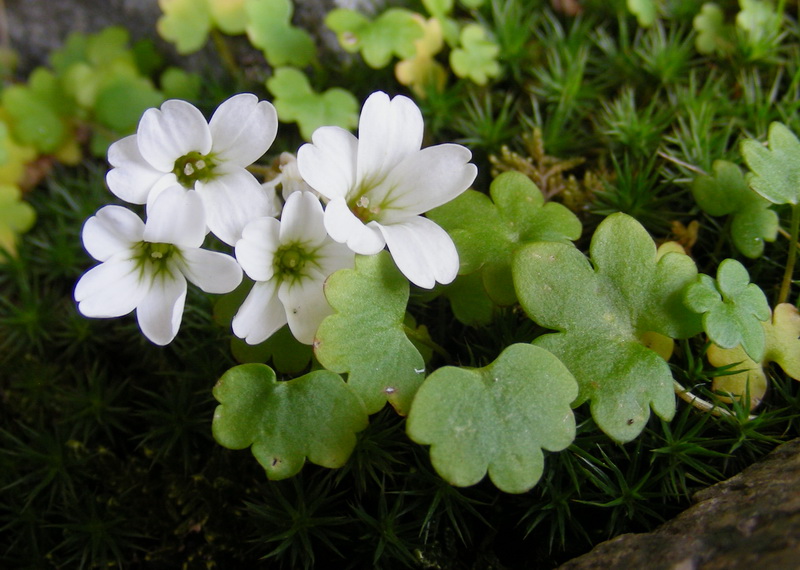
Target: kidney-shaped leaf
[(366, 336), (727, 192), (775, 172), (487, 231), (496, 419), (315, 416), (603, 313)]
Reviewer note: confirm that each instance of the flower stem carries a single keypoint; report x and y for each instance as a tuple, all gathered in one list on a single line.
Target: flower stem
[(225, 53), (794, 233)]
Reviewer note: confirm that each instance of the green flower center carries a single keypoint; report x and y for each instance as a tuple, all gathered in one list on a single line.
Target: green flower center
[(154, 258), (194, 167), (290, 260), (364, 210)]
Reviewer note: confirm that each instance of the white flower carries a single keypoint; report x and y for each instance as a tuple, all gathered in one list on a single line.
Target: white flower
[(379, 184), (145, 265), (289, 260), (175, 145)]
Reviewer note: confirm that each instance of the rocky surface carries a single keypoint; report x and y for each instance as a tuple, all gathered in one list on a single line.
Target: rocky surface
[(36, 27), (749, 521)]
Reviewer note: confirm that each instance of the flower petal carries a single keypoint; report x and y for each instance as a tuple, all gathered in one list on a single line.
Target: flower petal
[(212, 271), (160, 312), (166, 134), (306, 306), (427, 179), (231, 201), (256, 250), (243, 128), (423, 251), (176, 216), (343, 226), (332, 256), (112, 229), (260, 315), (302, 220), (111, 289), (388, 132), (328, 163), (131, 176)]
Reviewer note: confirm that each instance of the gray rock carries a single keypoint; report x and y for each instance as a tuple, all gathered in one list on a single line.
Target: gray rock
[(749, 521)]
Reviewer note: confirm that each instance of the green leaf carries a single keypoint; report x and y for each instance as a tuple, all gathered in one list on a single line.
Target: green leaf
[(185, 23), (782, 346), (314, 416), (16, 217), (476, 59), (366, 337), (488, 231), (775, 172), (270, 28), (34, 120), (645, 11), (179, 84), (287, 355), (603, 311), (120, 103), (732, 308), (295, 101), (230, 16), (438, 8), (759, 22), (712, 34), (469, 301), (727, 192), (496, 419), (393, 33)]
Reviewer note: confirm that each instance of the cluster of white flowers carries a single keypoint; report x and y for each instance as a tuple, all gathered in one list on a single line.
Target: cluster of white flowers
[(341, 196)]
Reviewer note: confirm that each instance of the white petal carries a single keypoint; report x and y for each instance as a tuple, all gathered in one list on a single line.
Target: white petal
[(425, 180), (231, 201), (167, 134), (328, 163), (212, 271), (332, 256), (260, 315), (256, 250), (112, 229), (423, 251), (243, 128), (111, 289), (302, 220), (305, 306), (131, 177), (388, 132), (176, 216), (159, 313), (343, 226)]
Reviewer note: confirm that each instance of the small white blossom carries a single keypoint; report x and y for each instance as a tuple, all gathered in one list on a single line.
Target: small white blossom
[(289, 260), (144, 266), (175, 145), (379, 183)]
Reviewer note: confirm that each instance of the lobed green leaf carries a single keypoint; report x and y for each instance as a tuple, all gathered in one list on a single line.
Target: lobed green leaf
[(775, 171), (366, 336), (496, 419), (487, 230), (604, 312), (727, 193), (315, 416)]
